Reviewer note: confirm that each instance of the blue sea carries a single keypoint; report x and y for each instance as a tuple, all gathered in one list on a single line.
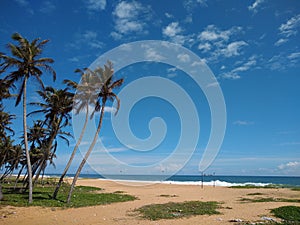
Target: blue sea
[(207, 180)]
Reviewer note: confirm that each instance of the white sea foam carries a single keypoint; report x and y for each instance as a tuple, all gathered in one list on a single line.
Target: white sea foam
[(210, 183)]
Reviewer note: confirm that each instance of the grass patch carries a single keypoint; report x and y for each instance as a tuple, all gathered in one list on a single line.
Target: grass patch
[(290, 214), (174, 210), (168, 196), (295, 189), (269, 200), (82, 196), (255, 193), (250, 186)]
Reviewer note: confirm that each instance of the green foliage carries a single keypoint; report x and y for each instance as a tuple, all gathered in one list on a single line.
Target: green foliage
[(82, 196), (174, 210), (270, 199), (250, 186), (288, 213), (256, 193)]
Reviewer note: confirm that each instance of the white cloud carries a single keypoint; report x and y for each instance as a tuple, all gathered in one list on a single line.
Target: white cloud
[(168, 15), (189, 5), (172, 29), (289, 166), (289, 28), (281, 41), (233, 48), (183, 58), (95, 5), (109, 109), (254, 7), (230, 76), (246, 66), (152, 54), (294, 55), (216, 42), (127, 18), (214, 84), (212, 33), (204, 47)]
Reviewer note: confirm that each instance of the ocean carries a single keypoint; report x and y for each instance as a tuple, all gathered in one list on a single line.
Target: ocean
[(207, 180)]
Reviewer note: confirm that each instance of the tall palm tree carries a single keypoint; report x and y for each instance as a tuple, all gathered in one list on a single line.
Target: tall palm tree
[(56, 108), (106, 93), (25, 63), (86, 95)]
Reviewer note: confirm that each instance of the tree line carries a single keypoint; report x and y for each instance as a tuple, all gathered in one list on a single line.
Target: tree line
[(39, 142)]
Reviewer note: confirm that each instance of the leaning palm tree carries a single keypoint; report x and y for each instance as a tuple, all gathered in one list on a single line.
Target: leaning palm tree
[(86, 95), (27, 63), (56, 107), (106, 93)]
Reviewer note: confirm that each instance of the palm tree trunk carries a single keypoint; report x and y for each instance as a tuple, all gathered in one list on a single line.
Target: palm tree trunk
[(87, 154), (26, 143), (1, 195), (19, 174), (72, 155)]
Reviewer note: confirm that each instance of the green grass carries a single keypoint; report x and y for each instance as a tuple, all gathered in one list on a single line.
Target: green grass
[(167, 196), (249, 186), (173, 210), (256, 193), (269, 200), (82, 196), (288, 213), (295, 189)]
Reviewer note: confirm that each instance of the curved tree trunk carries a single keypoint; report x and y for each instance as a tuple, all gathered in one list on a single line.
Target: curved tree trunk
[(1, 195), (72, 155), (26, 142), (19, 174), (87, 154)]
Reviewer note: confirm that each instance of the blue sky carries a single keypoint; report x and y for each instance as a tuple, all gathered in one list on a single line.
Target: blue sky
[(252, 48)]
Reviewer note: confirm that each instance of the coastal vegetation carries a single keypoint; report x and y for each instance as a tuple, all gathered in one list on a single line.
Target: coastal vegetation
[(174, 210), (42, 195), (30, 154)]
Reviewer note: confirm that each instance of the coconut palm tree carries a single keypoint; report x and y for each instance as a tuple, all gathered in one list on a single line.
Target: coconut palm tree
[(86, 95), (56, 108), (106, 93), (25, 62)]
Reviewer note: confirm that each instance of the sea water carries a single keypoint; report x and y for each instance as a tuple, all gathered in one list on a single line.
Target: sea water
[(197, 179)]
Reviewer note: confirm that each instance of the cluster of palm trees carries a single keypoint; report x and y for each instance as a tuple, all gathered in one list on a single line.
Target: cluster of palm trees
[(39, 142)]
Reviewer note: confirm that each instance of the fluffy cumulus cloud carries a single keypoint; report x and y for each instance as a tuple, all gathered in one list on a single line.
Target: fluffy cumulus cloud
[(212, 33), (129, 17), (233, 49), (216, 42), (172, 29), (173, 32)]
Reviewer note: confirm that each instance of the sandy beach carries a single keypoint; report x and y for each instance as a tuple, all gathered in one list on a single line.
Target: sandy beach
[(123, 213)]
